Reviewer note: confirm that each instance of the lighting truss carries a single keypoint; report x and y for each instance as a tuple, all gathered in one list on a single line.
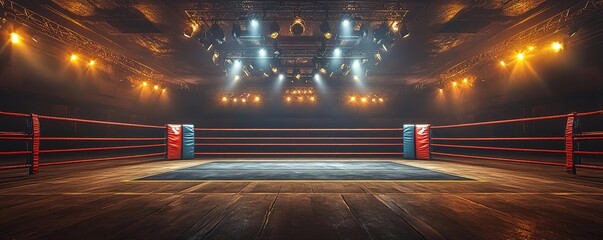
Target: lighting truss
[(69, 37), (211, 11), (535, 33)]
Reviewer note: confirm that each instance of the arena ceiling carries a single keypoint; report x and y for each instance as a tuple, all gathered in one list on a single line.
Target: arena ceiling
[(443, 33)]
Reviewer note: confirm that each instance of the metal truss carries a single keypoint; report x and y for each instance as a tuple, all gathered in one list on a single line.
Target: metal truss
[(211, 11), (533, 34), (67, 36)]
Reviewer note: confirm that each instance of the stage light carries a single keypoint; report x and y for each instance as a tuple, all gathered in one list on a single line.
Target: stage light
[(337, 52), (454, 84), (502, 63), (91, 63), (377, 58), (465, 80), (281, 77), (312, 99), (190, 29), (395, 27), (345, 22), (531, 48), (156, 87), (440, 90), (73, 57), (274, 70), (326, 30), (254, 23), (163, 90), (557, 46), (356, 78), (144, 84), (256, 99), (363, 99), (296, 73), (298, 26), (224, 99), (520, 56), (300, 98), (15, 38), (352, 99), (374, 100), (322, 70), (356, 64), (235, 100), (237, 77), (274, 29), (237, 63), (243, 100), (316, 76), (380, 99), (288, 99), (262, 52)]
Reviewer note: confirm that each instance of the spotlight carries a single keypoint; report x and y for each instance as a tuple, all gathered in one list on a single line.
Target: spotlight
[(363, 99), (274, 29), (312, 99), (224, 99), (440, 90), (243, 100), (531, 48), (73, 57), (377, 58), (288, 99), (380, 99), (15, 38), (296, 73), (156, 87), (455, 84), (465, 80), (352, 99), (557, 46), (237, 77), (237, 63), (325, 29), (322, 70), (91, 63), (190, 29), (316, 76), (256, 99), (395, 26), (356, 78), (274, 70), (520, 56), (235, 100), (374, 100), (337, 52), (144, 84), (298, 27), (254, 23), (345, 22), (281, 77), (356, 64), (502, 63), (262, 52), (163, 90)]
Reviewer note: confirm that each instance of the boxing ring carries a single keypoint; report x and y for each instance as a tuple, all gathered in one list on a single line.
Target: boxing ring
[(31, 141)]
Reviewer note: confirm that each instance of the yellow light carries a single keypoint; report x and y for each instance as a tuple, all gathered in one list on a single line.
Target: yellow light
[(363, 99), (323, 70), (300, 98), (91, 63), (274, 69), (380, 99), (531, 48), (224, 99), (352, 99), (520, 56), (243, 100), (163, 90), (288, 99), (502, 63), (455, 83), (557, 46), (328, 35), (274, 35), (15, 38), (144, 84), (374, 100), (395, 26), (73, 57), (312, 99), (237, 77), (298, 76), (257, 98), (235, 100), (465, 80), (156, 87), (440, 90)]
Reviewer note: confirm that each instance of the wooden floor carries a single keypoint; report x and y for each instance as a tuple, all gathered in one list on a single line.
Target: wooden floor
[(99, 201)]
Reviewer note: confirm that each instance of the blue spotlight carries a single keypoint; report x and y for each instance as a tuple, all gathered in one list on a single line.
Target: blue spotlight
[(337, 52), (254, 23), (281, 77), (345, 22), (237, 63), (262, 52), (317, 77), (356, 64)]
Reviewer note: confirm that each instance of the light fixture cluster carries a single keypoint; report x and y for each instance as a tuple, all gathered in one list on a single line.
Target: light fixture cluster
[(241, 99), (364, 99), (155, 87), (300, 95)]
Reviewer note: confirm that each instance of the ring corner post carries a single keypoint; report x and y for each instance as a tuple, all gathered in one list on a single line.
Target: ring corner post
[(570, 157), (34, 157)]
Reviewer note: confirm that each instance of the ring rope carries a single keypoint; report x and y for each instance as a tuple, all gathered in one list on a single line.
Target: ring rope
[(500, 148), (498, 159), (502, 121), (99, 148), (98, 139), (298, 144), (298, 129), (101, 159), (502, 139)]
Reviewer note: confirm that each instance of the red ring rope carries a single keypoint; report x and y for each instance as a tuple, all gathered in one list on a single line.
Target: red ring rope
[(298, 144), (15, 138), (502, 139), (589, 166), (588, 152), (498, 159), (502, 121), (588, 138), (500, 148), (101, 159), (298, 129), (298, 153), (589, 113), (10, 114), (99, 148), (15, 166), (589, 134), (15, 153), (100, 122), (98, 139), (298, 138)]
